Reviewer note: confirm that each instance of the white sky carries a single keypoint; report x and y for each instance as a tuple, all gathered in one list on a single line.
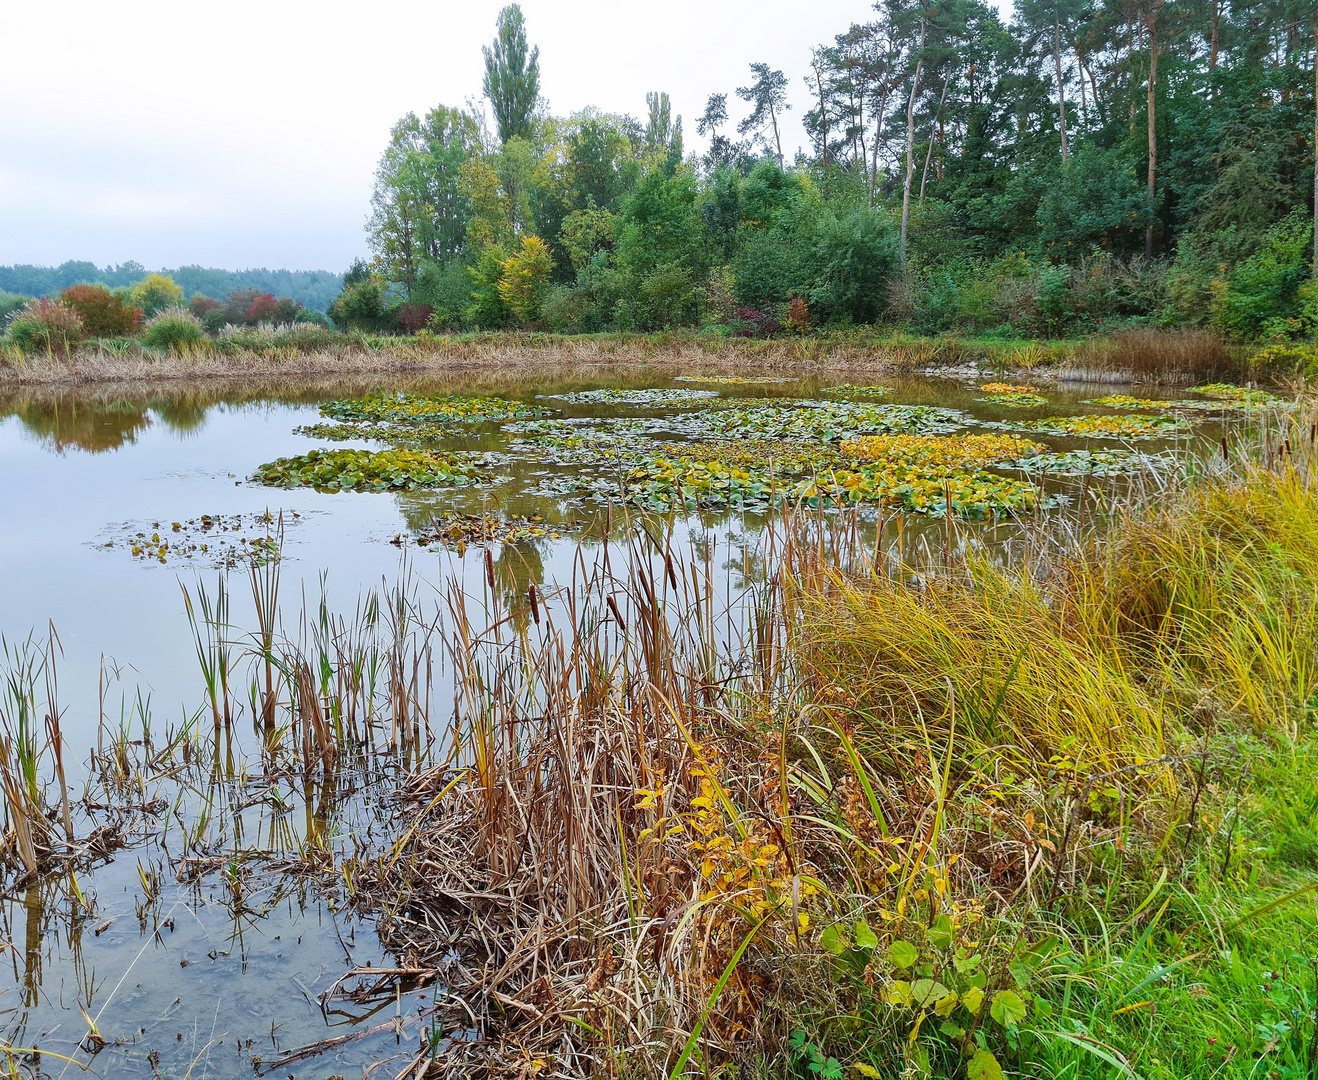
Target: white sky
[(246, 134)]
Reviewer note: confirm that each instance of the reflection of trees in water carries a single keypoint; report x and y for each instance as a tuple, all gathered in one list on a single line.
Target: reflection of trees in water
[(105, 426)]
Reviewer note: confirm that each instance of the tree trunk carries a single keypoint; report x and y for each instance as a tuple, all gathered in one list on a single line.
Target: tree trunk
[(910, 150), (777, 141), (823, 114), (1315, 149), (1061, 87), (1153, 120), (1212, 52), (1084, 105), (874, 160), (929, 155)]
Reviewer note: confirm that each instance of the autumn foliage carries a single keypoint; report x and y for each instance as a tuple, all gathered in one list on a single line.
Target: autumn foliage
[(104, 313)]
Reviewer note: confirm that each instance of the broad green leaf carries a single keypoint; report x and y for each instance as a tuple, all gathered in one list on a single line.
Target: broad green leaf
[(984, 1066), (1022, 971), (833, 940), (903, 954), (865, 937), (1007, 1009), (897, 992), (925, 992), (940, 933)]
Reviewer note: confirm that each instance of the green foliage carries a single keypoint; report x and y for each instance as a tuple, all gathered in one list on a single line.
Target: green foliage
[(364, 470), (412, 410), (1261, 298), (10, 303), (446, 289), (45, 326), (487, 309), (364, 305), (512, 75), (174, 329), (154, 293)]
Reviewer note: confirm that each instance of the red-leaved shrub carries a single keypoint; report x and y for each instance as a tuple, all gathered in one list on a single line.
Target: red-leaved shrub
[(413, 317), (104, 314)]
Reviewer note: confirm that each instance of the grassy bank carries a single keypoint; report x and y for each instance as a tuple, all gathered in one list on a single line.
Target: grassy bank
[(1137, 355), (923, 812)]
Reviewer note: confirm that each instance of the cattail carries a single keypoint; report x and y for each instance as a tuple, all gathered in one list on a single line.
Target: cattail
[(489, 568), (613, 607), (535, 603)]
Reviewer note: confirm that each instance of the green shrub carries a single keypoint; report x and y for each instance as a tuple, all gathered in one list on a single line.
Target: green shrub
[(10, 303), (364, 306), (446, 287), (173, 329), (155, 293), (1280, 361), (45, 326), (1262, 296)]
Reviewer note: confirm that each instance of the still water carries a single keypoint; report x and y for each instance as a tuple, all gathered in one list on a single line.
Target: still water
[(175, 968)]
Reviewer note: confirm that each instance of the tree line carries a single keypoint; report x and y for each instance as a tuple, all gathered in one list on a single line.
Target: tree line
[(1085, 164)]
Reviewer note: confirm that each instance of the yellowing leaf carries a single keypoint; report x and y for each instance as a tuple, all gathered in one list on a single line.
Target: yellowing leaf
[(1007, 1009), (972, 999), (983, 1066)]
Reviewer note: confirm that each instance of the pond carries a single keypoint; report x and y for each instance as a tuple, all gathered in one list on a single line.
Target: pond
[(201, 931)]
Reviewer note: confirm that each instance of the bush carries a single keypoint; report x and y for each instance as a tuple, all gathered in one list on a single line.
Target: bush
[(104, 314), (667, 298), (45, 326), (487, 309), (201, 306), (413, 317), (154, 293), (446, 288), (364, 306), (10, 303), (1262, 297), (174, 328), (1281, 361)]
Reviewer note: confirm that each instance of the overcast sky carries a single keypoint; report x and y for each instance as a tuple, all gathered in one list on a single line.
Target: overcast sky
[(245, 134)]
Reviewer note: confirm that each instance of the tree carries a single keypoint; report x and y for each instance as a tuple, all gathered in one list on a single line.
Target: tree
[(768, 93), (714, 116), (512, 76), (154, 293)]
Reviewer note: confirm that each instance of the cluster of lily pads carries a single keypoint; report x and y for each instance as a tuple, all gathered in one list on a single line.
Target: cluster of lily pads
[(852, 391), (1237, 395), (365, 470), (1131, 426), (457, 531), (1017, 397), (1096, 463), (920, 474), (219, 540), (418, 410), (828, 421), (731, 380), (650, 396)]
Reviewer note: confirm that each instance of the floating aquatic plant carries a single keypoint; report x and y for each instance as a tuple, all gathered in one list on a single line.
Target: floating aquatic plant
[(1136, 426), (457, 531), (823, 422), (940, 455), (849, 390), (650, 396), (1236, 395), (364, 470), (412, 409), (1098, 463), (1125, 401), (1020, 397), (731, 380), (219, 540)]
